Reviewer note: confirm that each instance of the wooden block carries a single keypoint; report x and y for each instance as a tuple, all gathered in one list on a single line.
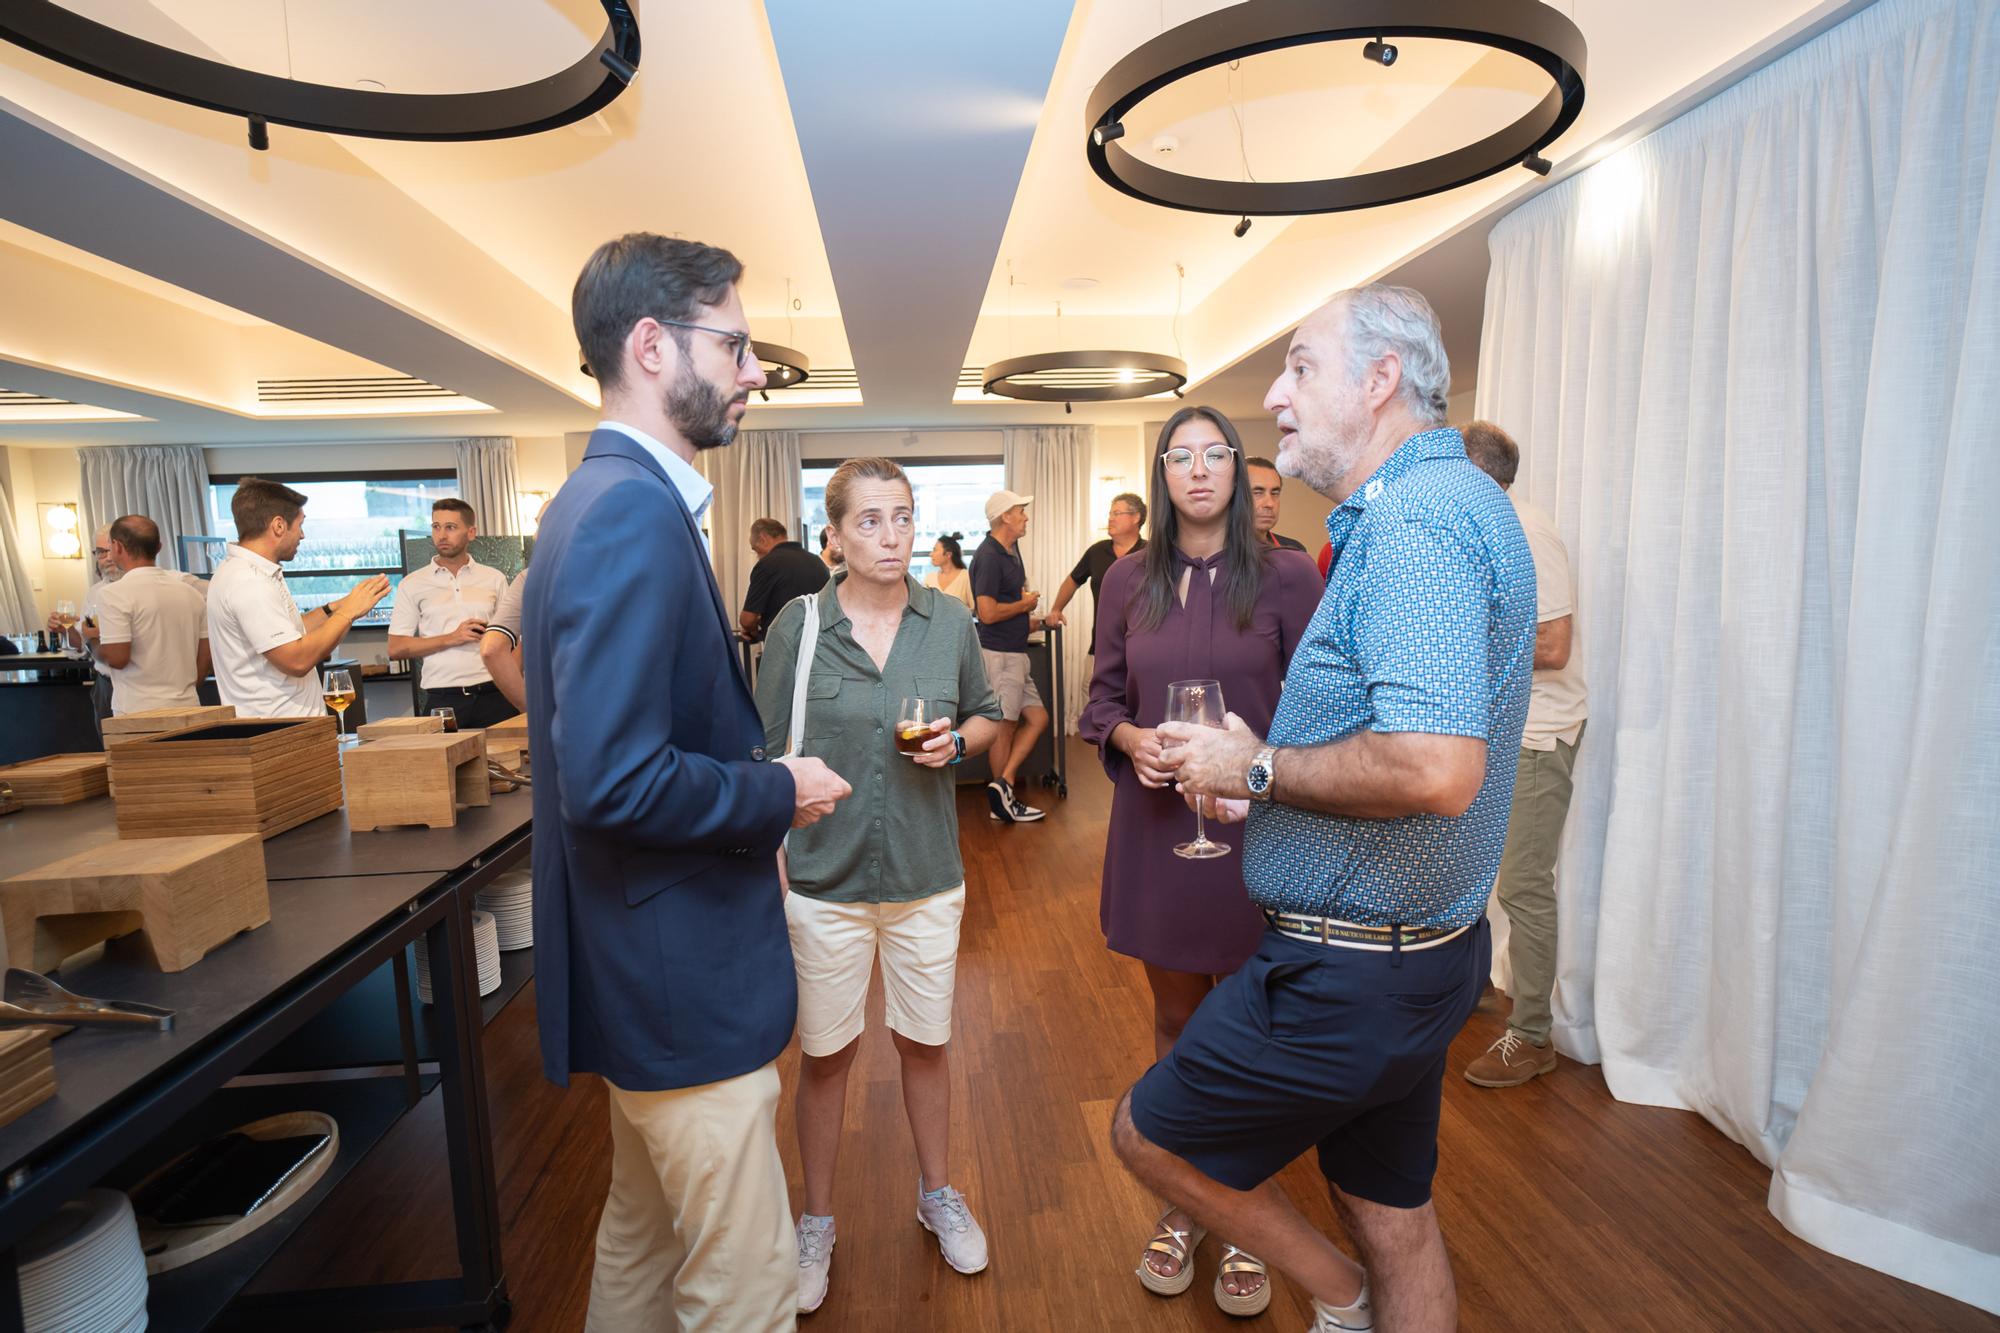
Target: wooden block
[(58, 779), (27, 1071), (514, 728), (147, 721), (185, 896), (247, 775), (416, 780), (399, 726)]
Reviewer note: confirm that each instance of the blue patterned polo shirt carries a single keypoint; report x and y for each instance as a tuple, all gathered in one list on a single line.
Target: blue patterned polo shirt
[(1428, 624)]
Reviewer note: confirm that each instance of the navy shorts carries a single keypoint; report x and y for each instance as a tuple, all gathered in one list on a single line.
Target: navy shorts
[(1307, 1045)]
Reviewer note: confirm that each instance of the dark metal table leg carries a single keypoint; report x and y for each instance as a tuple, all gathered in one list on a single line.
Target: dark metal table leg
[(406, 1028), (457, 1031), (11, 1317)]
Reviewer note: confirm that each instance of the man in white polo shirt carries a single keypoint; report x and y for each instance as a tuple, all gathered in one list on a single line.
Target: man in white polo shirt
[(151, 635), (266, 654), (442, 611)]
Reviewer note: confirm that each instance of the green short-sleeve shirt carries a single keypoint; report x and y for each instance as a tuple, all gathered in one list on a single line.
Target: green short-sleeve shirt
[(896, 838)]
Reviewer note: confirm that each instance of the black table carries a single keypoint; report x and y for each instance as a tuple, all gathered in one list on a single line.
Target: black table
[(342, 906)]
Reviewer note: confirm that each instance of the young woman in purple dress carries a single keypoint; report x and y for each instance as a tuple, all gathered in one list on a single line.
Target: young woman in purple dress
[(1206, 600)]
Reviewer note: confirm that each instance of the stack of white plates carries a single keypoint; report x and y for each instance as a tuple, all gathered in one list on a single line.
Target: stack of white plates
[(485, 947), (511, 899), (82, 1271)]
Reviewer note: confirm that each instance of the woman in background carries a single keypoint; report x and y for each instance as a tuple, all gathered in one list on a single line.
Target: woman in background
[(1206, 600), (948, 573)]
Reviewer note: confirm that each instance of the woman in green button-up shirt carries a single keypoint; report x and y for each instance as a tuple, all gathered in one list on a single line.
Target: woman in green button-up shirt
[(881, 875)]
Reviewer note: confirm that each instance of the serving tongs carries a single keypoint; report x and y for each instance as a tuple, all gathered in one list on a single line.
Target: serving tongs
[(507, 777), (31, 1000)]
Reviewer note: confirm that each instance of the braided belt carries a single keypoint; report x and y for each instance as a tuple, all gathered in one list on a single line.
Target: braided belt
[(1338, 934)]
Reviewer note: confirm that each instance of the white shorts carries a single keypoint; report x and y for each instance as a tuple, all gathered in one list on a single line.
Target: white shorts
[(1013, 684), (834, 947)]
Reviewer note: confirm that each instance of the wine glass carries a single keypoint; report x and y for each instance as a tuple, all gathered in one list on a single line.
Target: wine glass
[(66, 617), (1197, 703), (338, 691)]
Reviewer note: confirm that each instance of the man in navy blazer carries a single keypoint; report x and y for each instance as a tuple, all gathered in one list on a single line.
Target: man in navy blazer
[(662, 961)]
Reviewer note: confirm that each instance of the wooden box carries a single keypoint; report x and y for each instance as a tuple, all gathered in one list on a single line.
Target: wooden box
[(399, 726), (416, 780), (185, 896), (148, 721), (27, 1071), (258, 775), (57, 779)]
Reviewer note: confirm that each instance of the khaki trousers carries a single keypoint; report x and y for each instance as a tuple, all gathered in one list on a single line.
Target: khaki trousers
[(1527, 885), (697, 1231)]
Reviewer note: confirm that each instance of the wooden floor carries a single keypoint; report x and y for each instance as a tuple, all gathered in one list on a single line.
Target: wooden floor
[(1563, 1209)]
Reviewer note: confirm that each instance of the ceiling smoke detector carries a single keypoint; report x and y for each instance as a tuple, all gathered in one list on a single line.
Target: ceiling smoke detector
[(1165, 145)]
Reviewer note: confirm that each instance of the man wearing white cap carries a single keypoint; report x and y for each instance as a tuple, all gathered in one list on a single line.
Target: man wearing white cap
[(1005, 609)]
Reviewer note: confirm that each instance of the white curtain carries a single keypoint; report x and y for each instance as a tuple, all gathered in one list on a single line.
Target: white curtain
[(1052, 463), (487, 481), (756, 477), (168, 483), (1754, 363), (17, 590)]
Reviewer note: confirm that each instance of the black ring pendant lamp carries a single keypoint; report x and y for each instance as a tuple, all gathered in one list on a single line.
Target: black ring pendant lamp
[(593, 82), (1526, 28), (784, 367), (1085, 377)]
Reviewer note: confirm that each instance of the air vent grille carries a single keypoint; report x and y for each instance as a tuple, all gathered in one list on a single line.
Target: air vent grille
[(348, 389), (22, 398)]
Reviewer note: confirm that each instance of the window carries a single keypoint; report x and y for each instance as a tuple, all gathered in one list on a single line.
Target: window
[(950, 495), (351, 524)]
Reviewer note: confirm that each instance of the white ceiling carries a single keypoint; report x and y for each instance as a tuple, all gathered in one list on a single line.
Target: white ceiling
[(904, 180)]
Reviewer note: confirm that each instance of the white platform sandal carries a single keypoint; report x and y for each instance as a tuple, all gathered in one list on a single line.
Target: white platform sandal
[(1238, 1263)]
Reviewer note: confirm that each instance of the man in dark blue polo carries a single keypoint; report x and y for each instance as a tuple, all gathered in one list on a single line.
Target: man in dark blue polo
[(1377, 811), (662, 960)]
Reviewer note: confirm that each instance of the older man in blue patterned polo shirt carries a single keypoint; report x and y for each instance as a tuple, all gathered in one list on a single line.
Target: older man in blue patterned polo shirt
[(1377, 811)]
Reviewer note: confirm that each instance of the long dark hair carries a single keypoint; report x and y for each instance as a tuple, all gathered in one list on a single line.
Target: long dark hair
[(950, 541), (1242, 573)]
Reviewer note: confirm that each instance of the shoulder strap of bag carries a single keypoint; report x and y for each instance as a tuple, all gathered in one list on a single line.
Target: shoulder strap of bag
[(802, 674)]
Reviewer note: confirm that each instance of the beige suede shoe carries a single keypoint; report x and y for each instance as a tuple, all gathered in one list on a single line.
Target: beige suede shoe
[(1510, 1062)]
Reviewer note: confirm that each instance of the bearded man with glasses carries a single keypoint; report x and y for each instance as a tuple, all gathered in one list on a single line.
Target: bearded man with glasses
[(1122, 538)]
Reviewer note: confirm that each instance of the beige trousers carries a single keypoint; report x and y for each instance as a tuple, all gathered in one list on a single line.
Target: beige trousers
[(697, 1230)]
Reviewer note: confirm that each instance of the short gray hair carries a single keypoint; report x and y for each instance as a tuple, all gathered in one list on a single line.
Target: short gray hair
[(1382, 319)]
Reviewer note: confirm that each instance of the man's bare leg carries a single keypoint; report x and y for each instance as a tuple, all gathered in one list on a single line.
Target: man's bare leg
[(1261, 1221), (1409, 1273), (1034, 721)]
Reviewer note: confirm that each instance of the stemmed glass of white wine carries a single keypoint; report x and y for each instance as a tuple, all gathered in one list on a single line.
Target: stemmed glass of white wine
[(1197, 703), (338, 691), (66, 618)]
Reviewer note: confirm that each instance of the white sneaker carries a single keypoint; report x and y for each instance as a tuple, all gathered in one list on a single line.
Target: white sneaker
[(1344, 1319), (815, 1263), (959, 1237)]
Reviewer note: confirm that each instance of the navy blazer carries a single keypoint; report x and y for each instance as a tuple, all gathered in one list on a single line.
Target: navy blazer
[(661, 956)]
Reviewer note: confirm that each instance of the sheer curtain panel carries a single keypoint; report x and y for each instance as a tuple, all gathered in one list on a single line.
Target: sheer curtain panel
[(17, 590), (168, 483), (1052, 463), (1754, 362), (756, 477), (487, 481)]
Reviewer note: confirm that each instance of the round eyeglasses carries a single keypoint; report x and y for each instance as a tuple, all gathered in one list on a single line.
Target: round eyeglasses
[(1216, 458)]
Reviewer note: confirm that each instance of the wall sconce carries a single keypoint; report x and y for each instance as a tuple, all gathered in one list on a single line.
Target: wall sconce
[(60, 538), (529, 505)]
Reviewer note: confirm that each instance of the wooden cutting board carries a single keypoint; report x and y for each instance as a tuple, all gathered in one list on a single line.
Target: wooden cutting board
[(248, 774), (58, 779), (147, 721)]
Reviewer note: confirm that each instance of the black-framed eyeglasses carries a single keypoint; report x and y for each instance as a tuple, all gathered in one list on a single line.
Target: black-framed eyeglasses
[(742, 340), (1216, 458)]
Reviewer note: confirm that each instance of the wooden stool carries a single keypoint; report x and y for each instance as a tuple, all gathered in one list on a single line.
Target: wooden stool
[(184, 895), (416, 780)]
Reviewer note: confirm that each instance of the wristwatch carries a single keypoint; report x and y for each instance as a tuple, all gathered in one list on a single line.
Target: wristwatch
[(958, 753), (1263, 771)]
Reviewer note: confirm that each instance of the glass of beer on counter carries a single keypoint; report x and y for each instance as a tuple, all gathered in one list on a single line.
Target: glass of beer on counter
[(447, 716), (913, 725), (338, 690)]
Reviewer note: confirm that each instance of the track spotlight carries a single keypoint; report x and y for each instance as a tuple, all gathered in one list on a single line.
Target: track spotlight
[(1536, 163), (621, 68), (260, 134), (1104, 134), (1241, 227), (765, 394), (1067, 409), (1379, 52)]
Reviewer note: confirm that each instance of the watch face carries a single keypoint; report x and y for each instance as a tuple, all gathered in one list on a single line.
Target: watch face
[(1258, 779)]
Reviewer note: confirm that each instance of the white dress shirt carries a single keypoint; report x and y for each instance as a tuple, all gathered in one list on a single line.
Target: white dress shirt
[(694, 487), (433, 600), (1557, 703), (250, 612), (164, 621)]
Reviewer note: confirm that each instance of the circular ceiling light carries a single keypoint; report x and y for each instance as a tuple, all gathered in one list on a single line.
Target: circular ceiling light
[(1529, 29), (784, 367), (1084, 377), (592, 82)]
